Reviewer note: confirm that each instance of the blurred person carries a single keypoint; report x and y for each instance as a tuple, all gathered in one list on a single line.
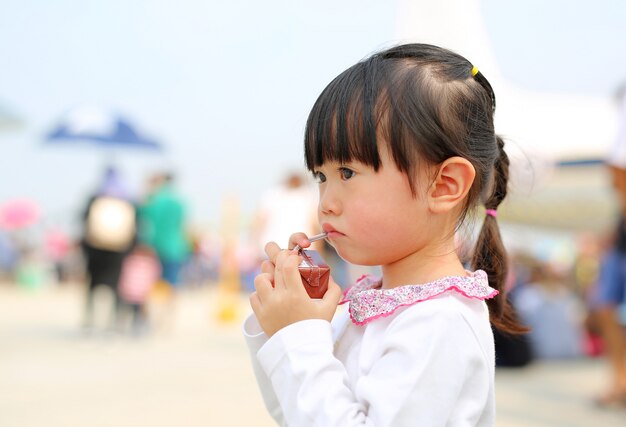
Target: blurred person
[(30, 271), (403, 146), (586, 272), (140, 272), (8, 256), (610, 291), (586, 263), (196, 269), (290, 206), (57, 247), (247, 255), (163, 227), (163, 219), (209, 252), (109, 235), (552, 311)]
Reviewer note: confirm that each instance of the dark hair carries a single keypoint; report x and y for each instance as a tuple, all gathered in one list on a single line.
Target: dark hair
[(423, 102)]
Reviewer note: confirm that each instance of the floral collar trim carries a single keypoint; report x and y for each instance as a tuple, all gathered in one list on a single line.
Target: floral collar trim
[(368, 302)]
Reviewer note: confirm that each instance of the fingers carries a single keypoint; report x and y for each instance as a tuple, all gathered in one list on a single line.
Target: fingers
[(299, 239), (333, 294), (280, 271), (272, 250), (268, 268), (263, 284), (286, 274)]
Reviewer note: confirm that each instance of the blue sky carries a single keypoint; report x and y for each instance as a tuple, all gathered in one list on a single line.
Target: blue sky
[(227, 86)]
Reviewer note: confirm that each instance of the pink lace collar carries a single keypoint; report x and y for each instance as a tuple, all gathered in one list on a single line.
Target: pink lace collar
[(368, 302)]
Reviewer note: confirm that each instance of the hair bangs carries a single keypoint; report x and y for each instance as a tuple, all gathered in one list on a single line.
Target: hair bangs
[(342, 125)]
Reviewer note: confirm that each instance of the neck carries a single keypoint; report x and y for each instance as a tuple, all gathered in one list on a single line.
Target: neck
[(424, 266)]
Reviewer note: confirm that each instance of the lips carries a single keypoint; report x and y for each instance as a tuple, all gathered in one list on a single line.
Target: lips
[(332, 232)]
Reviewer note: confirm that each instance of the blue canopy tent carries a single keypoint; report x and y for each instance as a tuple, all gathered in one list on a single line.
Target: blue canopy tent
[(99, 127)]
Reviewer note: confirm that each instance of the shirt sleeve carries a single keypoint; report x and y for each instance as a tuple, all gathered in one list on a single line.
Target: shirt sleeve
[(413, 374), (255, 339)]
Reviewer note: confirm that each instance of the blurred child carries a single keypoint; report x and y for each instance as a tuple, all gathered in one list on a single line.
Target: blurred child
[(140, 272)]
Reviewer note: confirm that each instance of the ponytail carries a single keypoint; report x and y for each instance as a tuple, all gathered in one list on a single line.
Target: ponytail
[(490, 255)]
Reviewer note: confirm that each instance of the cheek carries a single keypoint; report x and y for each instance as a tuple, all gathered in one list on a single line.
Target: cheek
[(389, 223), (382, 241), (380, 235)]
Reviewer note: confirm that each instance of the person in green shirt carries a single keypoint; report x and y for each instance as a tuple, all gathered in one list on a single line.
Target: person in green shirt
[(163, 226)]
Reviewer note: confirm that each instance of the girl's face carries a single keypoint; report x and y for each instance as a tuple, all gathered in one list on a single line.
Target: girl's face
[(372, 218)]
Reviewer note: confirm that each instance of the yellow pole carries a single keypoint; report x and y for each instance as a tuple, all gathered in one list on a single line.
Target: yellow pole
[(229, 285)]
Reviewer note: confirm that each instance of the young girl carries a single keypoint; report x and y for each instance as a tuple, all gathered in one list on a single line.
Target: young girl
[(402, 145)]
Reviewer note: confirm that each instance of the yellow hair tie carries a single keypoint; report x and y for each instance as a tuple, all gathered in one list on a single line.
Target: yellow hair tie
[(474, 71)]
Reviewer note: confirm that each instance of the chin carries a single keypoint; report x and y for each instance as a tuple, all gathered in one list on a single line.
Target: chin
[(356, 259)]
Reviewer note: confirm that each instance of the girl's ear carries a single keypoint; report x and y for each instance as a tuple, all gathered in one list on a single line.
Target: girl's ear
[(454, 179)]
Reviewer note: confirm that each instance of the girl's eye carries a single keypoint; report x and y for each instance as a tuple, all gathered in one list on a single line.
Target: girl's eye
[(346, 173), (319, 177)]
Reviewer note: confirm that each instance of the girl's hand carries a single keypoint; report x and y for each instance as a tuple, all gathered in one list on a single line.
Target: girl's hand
[(267, 266), (299, 239), (280, 298)]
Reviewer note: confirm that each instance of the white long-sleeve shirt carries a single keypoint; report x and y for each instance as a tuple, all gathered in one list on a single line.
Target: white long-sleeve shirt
[(417, 355)]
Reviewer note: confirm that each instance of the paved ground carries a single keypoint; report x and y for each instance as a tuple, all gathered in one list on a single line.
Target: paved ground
[(196, 373)]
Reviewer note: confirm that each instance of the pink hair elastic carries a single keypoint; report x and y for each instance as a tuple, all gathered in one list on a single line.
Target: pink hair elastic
[(492, 212)]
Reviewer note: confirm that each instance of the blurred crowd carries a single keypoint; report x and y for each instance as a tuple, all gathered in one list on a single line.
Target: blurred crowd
[(136, 248), (136, 253), (131, 254)]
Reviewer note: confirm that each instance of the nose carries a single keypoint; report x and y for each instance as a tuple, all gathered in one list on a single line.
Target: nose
[(329, 200)]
